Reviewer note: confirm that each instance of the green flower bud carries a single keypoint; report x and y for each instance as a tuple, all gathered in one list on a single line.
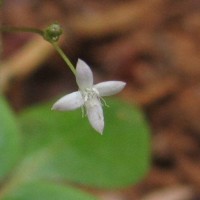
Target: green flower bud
[(53, 32)]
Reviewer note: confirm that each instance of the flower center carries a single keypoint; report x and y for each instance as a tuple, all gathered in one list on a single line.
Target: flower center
[(89, 93)]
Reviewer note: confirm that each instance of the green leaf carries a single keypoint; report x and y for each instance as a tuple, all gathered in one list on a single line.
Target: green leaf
[(62, 145), (46, 191), (9, 139)]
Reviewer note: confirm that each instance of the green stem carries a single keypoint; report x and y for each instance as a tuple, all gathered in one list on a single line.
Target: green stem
[(41, 33), (21, 29), (65, 58)]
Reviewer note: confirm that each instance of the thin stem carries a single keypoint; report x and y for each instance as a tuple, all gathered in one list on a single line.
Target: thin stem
[(65, 58), (21, 29), (41, 33)]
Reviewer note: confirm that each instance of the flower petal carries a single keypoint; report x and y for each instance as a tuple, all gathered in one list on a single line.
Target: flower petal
[(95, 114), (84, 76), (69, 102), (108, 88)]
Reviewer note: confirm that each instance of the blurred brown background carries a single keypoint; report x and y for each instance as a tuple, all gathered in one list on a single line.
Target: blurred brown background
[(153, 45)]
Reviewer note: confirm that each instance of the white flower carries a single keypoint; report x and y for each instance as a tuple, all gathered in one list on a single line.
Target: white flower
[(89, 96)]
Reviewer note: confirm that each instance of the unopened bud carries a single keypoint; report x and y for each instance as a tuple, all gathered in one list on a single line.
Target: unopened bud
[(53, 32)]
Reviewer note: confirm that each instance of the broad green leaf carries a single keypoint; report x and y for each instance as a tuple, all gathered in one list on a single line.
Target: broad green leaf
[(9, 139), (46, 191), (63, 146)]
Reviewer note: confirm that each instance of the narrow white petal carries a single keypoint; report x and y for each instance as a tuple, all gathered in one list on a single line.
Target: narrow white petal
[(71, 101), (109, 88), (95, 114), (84, 76)]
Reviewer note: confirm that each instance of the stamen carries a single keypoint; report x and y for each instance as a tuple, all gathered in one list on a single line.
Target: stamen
[(89, 93), (104, 101), (83, 111)]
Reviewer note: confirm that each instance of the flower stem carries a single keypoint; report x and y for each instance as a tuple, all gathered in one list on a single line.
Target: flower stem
[(65, 58), (51, 34), (21, 29)]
